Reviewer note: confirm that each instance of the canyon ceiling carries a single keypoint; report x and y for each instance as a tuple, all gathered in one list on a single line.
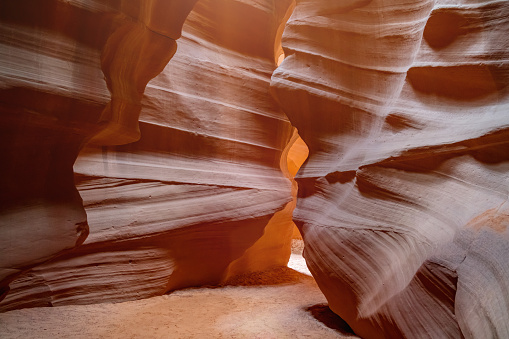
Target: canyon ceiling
[(131, 167)]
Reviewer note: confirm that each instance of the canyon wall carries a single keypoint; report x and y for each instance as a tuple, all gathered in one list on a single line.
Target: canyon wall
[(403, 200), (126, 174), (202, 196), (70, 70)]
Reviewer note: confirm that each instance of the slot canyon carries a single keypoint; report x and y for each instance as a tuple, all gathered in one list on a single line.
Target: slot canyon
[(254, 169)]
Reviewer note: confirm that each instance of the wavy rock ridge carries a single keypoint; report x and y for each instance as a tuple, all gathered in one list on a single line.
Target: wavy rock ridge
[(403, 200), (54, 98), (205, 193)]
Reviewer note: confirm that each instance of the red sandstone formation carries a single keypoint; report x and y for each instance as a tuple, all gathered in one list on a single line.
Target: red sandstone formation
[(403, 200), (55, 56), (205, 193)]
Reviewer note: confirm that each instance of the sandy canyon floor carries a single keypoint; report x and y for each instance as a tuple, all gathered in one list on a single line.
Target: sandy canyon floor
[(281, 303)]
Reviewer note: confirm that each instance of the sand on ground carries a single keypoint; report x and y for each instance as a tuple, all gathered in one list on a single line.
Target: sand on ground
[(280, 303)]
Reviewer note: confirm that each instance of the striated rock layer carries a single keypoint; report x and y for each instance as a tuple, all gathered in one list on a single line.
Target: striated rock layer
[(205, 193), (55, 58), (403, 200)]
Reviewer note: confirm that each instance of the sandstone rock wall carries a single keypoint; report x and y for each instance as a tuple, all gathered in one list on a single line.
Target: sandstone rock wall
[(403, 200), (55, 57), (204, 194)]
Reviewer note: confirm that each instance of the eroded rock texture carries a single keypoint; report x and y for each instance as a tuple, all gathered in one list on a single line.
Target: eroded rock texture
[(205, 193), (54, 59), (403, 200)]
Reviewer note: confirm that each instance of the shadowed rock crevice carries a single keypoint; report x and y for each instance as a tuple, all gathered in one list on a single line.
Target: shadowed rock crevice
[(324, 314)]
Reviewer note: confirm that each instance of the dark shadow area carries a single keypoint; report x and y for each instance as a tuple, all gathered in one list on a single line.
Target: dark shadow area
[(87, 27), (464, 82), (324, 314), (444, 26)]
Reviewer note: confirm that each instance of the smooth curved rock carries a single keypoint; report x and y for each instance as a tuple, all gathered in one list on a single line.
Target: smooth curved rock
[(55, 56), (204, 195), (403, 200)]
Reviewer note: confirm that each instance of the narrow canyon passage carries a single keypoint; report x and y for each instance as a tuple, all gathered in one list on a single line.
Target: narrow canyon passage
[(164, 160)]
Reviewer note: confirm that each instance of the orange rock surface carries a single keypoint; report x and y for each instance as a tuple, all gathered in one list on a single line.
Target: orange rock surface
[(205, 194), (55, 57), (131, 168), (403, 200)]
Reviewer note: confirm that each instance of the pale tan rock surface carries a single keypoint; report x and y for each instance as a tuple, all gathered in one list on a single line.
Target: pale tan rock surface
[(205, 194), (403, 200)]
